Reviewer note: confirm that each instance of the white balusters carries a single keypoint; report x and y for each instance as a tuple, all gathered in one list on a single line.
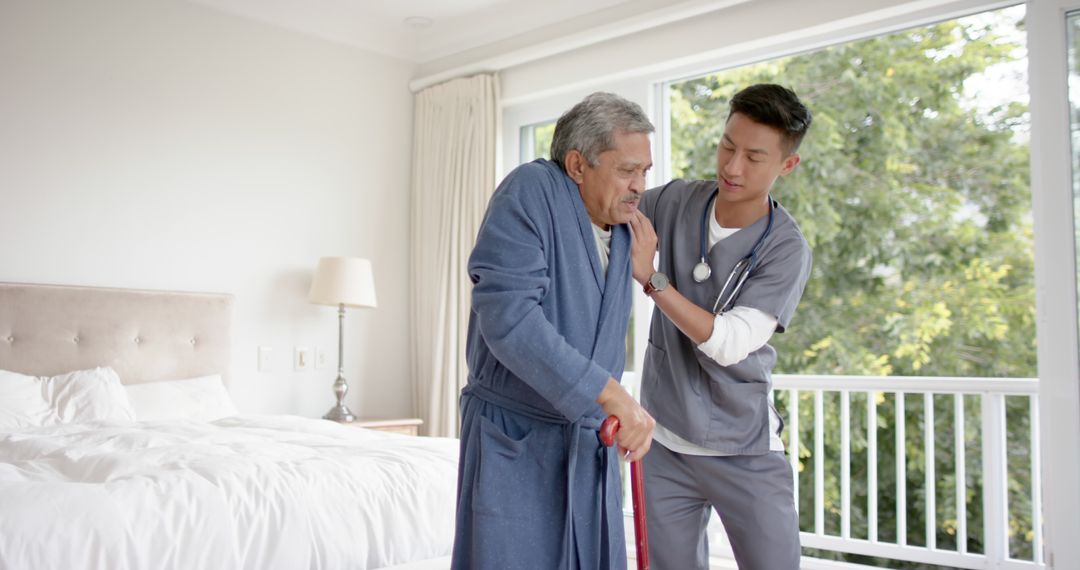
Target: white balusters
[(871, 469), (930, 481), (993, 431), (960, 439), (819, 463)]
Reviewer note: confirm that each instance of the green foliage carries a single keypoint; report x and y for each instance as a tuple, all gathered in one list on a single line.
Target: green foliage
[(916, 204), (542, 135)]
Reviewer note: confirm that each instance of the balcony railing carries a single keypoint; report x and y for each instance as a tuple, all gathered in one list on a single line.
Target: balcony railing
[(1007, 520), (978, 437), (986, 438)]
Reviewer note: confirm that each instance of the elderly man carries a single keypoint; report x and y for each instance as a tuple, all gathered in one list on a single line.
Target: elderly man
[(551, 301)]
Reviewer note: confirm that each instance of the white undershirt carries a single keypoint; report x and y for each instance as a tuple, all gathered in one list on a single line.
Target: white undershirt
[(603, 245), (735, 335)]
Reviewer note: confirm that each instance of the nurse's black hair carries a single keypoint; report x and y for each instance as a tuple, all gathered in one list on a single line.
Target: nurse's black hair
[(775, 106)]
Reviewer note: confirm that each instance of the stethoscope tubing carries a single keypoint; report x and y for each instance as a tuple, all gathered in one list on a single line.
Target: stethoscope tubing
[(741, 271)]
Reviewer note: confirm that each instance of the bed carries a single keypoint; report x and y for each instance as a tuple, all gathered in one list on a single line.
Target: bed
[(86, 482)]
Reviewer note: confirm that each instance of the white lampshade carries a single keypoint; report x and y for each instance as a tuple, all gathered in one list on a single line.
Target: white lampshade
[(343, 281)]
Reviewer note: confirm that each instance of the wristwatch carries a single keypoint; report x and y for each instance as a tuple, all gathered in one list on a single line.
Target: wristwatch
[(657, 282)]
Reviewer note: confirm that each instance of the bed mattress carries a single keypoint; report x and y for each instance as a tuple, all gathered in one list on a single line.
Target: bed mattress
[(257, 492)]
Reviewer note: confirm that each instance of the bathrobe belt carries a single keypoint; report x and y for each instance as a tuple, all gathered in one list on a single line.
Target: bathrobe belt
[(572, 431)]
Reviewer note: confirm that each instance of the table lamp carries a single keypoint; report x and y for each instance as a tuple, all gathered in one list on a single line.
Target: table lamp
[(344, 282)]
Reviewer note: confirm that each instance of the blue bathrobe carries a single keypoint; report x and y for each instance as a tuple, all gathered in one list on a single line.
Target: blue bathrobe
[(536, 489)]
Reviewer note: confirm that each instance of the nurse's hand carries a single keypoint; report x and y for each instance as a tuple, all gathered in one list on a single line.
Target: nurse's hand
[(635, 424), (643, 248)]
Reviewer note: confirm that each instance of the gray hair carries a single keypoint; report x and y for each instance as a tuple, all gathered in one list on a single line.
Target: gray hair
[(590, 126)]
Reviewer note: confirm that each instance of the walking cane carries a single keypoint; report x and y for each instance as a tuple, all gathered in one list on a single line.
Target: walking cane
[(637, 489)]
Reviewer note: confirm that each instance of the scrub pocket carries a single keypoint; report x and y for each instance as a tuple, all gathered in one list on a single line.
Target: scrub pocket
[(655, 361), (669, 376), (512, 481), (738, 418)]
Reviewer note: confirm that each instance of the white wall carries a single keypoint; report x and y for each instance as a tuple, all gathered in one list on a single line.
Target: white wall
[(166, 145)]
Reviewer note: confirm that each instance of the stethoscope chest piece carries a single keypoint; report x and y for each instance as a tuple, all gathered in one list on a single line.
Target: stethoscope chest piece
[(702, 271), (740, 273)]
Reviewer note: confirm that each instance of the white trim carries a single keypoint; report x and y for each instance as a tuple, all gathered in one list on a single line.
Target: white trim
[(577, 40), (1055, 279), (908, 384), (768, 44), (841, 31)]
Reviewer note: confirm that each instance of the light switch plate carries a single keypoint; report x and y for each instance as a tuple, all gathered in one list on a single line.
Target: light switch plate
[(266, 358), (322, 359), (302, 358)]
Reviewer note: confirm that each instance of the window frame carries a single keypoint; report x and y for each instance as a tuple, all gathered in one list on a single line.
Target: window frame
[(1055, 275)]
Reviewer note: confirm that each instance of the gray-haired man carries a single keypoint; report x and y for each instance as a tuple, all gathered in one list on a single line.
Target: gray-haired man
[(551, 301)]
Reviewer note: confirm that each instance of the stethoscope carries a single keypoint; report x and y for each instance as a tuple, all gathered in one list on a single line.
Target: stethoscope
[(740, 273)]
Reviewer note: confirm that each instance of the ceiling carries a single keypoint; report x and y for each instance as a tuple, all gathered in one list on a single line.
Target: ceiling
[(452, 26)]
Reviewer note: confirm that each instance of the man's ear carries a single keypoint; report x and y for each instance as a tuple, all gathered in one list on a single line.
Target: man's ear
[(790, 162), (575, 166)]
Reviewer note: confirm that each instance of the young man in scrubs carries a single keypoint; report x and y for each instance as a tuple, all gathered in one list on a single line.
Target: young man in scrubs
[(546, 346), (708, 367)]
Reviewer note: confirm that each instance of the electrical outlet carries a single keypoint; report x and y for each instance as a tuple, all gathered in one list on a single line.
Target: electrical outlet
[(266, 358), (302, 358), (322, 359)]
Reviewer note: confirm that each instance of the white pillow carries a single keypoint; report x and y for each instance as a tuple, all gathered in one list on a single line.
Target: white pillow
[(24, 402), (89, 395), (202, 399), (73, 397)]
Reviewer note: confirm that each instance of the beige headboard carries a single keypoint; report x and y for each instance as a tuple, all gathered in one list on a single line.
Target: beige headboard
[(144, 335)]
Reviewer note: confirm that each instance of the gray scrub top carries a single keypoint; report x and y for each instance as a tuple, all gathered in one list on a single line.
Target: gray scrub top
[(725, 408)]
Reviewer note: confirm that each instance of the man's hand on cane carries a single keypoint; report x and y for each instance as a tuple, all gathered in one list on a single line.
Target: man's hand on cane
[(636, 425)]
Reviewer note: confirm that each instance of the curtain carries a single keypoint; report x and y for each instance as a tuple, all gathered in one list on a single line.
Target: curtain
[(453, 176)]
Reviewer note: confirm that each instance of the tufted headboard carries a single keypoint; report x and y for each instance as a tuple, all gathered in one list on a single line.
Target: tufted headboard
[(144, 335)]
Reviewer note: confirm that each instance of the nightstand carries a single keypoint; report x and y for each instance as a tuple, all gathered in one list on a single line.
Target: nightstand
[(407, 426)]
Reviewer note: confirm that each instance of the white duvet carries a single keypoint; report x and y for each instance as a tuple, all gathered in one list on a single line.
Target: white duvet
[(256, 492)]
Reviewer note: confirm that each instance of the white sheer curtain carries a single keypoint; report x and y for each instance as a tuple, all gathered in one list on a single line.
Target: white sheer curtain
[(453, 176)]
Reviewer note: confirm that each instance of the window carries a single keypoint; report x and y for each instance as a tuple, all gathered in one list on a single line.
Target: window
[(967, 219), (913, 193), (914, 196), (536, 141)]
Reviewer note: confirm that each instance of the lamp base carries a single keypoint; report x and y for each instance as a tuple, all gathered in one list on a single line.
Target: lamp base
[(340, 413)]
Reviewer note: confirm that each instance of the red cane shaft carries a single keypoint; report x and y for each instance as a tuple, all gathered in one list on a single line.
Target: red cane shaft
[(637, 492), (641, 533)]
